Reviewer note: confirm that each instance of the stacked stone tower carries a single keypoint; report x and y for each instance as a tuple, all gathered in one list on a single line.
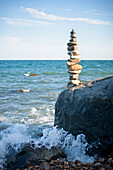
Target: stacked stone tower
[(72, 64)]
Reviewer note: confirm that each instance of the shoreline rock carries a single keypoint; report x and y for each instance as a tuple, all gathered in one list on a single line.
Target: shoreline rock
[(103, 163), (34, 156), (88, 109)]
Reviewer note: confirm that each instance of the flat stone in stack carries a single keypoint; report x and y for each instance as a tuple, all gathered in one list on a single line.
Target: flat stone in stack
[(72, 64)]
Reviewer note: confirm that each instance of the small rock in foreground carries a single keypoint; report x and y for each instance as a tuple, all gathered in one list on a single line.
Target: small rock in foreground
[(105, 163)]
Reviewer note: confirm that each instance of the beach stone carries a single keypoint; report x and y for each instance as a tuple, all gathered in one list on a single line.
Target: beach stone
[(73, 61), (75, 82), (32, 75), (74, 72), (70, 85), (97, 164), (75, 53), (88, 109), (72, 43), (76, 56), (73, 40), (73, 36), (29, 156), (71, 48), (75, 67), (44, 165), (73, 32), (73, 78)]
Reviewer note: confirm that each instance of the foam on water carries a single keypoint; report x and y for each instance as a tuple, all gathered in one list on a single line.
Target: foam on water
[(74, 149), (34, 113), (12, 138), (40, 115), (15, 137)]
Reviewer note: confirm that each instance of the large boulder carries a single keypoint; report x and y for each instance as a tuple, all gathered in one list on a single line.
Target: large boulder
[(88, 109)]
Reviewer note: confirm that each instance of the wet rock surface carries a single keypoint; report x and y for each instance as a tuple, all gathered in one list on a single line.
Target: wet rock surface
[(29, 156), (88, 109), (104, 163)]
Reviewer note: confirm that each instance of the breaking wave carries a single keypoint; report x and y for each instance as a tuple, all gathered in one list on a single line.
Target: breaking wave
[(15, 137)]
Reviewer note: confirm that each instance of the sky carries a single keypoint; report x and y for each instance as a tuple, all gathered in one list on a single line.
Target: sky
[(40, 29)]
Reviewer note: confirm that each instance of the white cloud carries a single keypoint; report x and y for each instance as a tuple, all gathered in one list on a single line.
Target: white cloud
[(25, 22), (98, 12), (42, 15)]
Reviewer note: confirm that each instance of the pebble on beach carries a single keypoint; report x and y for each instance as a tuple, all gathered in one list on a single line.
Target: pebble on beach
[(105, 163)]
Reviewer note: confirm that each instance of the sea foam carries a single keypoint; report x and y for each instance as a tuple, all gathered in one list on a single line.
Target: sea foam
[(74, 149), (12, 138), (15, 137)]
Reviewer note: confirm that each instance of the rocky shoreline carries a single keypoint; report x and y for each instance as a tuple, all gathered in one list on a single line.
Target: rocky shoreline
[(84, 109), (31, 158), (103, 163)]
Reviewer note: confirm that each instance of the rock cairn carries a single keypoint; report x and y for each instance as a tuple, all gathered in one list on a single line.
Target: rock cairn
[(72, 64)]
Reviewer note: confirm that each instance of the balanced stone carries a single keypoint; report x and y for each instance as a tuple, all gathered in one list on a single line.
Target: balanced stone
[(74, 75), (73, 40), (70, 63), (71, 48), (75, 81), (73, 32), (73, 78), (75, 72), (70, 85), (74, 60), (74, 56), (72, 43), (75, 53), (73, 36), (75, 67)]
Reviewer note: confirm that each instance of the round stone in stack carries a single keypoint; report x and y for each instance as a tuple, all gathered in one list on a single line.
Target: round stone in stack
[(72, 43), (73, 61), (74, 54), (73, 32), (70, 85), (75, 67), (74, 77), (75, 72), (71, 48), (75, 82)]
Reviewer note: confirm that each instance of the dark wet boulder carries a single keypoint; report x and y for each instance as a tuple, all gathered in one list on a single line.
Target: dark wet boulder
[(88, 109)]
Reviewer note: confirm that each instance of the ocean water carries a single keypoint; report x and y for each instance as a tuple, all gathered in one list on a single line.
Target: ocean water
[(27, 105)]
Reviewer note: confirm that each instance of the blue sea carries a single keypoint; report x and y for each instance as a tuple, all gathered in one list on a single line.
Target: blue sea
[(27, 104)]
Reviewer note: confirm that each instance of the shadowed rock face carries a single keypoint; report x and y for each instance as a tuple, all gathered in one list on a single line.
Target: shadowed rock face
[(88, 109), (29, 156)]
